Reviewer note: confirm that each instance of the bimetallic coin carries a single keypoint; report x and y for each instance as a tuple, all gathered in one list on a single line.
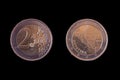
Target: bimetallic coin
[(31, 39), (86, 39)]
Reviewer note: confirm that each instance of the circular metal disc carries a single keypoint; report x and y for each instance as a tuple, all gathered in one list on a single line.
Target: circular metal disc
[(86, 39), (31, 39)]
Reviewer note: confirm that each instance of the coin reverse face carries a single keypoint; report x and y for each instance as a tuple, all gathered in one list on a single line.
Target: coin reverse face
[(86, 39), (31, 39)]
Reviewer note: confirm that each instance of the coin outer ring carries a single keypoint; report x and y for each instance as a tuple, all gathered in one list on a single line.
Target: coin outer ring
[(100, 25), (38, 21)]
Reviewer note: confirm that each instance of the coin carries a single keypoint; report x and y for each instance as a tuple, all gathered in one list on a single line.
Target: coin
[(31, 39), (86, 39)]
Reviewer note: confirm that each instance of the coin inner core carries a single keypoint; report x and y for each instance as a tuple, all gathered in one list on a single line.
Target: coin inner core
[(87, 39), (31, 39)]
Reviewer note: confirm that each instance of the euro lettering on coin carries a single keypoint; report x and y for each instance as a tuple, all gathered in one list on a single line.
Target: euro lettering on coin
[(86, 39), (31, 39)]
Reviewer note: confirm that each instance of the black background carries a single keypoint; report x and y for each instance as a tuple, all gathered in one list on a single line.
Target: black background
[(59, 16)]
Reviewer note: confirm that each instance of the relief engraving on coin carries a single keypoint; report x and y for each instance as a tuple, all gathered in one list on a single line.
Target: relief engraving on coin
[(85, 39)]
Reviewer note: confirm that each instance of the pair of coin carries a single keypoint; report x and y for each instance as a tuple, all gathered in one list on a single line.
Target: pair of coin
[(31, 39)]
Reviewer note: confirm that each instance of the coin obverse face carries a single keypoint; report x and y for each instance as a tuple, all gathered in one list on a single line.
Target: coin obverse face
[(31, 39), (86, 39)]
